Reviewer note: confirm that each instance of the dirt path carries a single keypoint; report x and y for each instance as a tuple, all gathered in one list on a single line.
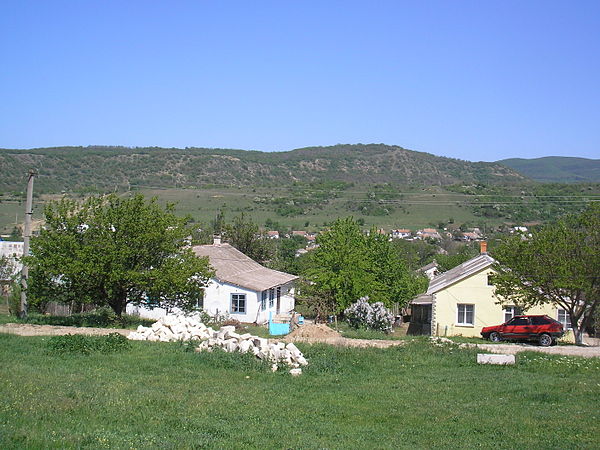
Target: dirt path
[(320, 333), (26, 329), (312, 334)]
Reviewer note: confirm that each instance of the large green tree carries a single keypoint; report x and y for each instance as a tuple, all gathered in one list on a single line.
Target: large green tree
[(559, 264), (244, 235), (348, 265), (111, 251)]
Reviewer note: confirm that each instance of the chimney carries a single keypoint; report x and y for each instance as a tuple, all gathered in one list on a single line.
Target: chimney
[(483, 247), (216, 240)]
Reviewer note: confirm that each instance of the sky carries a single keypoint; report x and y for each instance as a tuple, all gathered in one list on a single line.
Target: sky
[(474, 80)]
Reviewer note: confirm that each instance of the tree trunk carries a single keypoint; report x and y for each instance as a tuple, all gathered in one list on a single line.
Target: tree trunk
[(576, 327)]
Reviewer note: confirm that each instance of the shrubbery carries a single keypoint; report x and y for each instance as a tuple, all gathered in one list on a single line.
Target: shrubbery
[(363, 314), (101, 318), (77, 343)]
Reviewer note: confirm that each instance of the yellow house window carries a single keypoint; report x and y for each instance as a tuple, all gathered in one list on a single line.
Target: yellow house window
[(466, 315), (563, 318), (510, 312)]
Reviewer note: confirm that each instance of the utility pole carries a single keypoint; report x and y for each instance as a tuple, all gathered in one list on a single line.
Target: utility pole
[(26, 235)]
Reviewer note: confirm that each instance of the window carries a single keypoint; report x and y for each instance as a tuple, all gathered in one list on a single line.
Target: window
[(466, 314), (238, 303), (263, 300), (540, 320), (518, 321), (510, 312), (490, 279), (563, 318), (271, 297)]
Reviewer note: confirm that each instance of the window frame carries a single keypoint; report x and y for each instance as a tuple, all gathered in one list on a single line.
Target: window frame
[(514, 310), (271, 298), (567, 321), (263, 300), (240, 300), (465, 307)]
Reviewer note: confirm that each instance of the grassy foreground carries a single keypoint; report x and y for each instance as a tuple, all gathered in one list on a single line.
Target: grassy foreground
[(419, 396)]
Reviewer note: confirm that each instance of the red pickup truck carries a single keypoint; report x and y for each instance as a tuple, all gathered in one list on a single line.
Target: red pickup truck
[(542, 329)]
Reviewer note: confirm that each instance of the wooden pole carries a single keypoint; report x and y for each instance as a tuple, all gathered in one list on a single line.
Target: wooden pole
[(26, 236)]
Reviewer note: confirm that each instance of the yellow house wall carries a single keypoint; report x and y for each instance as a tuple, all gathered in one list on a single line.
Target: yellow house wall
[(473, 290)]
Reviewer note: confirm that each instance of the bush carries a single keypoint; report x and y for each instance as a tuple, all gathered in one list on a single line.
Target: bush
[(100, 318), (77, 343), (363, 314)]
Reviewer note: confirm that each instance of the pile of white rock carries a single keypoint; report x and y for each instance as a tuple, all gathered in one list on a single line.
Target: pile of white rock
[(189, 328)]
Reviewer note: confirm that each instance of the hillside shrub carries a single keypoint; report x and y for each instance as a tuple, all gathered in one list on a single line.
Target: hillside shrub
[(363, 314)]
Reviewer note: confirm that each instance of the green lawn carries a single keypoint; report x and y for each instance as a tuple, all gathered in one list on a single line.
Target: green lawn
[(414, 396)]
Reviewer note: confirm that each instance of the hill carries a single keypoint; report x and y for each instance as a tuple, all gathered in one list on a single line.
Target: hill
[(97, 169), (557, 169)]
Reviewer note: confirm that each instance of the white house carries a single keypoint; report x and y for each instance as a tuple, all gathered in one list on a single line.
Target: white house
[(241, 288), (13, 251)]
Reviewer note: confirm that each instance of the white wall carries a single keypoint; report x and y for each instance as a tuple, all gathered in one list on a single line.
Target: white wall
[(217, 300)]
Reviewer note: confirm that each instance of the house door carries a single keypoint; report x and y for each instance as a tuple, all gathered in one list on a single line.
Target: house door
[(278, 300), (420, 320)]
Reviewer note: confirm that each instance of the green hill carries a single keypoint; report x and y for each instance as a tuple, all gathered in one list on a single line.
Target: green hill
[(97, 169), (557, 169)]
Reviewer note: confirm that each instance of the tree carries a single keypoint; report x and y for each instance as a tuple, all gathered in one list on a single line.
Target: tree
[(112, 251), (7, 269), (559, 264), (348, 265), (244, 235)]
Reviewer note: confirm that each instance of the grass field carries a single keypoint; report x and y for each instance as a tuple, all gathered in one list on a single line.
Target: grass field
[(157, 395), (422, 208)]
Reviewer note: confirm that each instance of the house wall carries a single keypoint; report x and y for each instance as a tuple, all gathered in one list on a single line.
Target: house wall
[(217, 300), (474, 290)]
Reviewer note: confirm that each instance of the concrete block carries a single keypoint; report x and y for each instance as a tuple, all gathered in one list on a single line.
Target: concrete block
[(492, 358), (245, 346)]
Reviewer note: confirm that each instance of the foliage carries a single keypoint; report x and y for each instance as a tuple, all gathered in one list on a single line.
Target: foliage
[(101, 169), (244, 235), (78, 343), (112, 251), (348, 265), (450, 260), (285, 258), (100, 318), (559, 264), (363, 314), (7, 268), (14, 299)]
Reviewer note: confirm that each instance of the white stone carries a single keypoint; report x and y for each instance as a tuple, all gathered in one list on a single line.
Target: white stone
[(302, 360), (295, 372), (230, 328), (245, 346), (260, 342), (232, 335), (274, 368), (492, 358)]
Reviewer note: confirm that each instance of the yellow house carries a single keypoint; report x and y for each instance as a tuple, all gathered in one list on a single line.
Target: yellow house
[(461, 301)]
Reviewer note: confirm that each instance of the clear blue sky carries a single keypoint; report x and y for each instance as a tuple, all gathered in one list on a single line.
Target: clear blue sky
[(475, 80)]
